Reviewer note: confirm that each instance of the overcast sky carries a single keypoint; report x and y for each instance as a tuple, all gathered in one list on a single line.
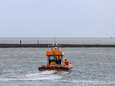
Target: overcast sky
[(57, 18)]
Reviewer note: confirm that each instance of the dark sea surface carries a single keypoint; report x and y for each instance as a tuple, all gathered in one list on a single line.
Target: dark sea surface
[(92, 67)]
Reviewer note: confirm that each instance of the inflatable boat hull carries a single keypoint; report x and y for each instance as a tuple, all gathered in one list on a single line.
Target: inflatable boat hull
[(43, 68)]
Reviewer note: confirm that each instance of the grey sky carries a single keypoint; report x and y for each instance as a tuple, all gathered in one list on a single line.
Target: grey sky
[(57, 18)]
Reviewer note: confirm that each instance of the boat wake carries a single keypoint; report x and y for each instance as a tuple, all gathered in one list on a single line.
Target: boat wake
[(65, 82), (45, 75), (53, 76)]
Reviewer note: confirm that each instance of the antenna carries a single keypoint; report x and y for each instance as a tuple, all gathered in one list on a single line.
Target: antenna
[(55, 43)]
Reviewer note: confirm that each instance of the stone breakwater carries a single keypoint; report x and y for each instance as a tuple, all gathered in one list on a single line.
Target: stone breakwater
[(50, 45)]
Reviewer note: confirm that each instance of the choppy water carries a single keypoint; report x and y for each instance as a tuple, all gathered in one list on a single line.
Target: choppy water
[(92, 67)]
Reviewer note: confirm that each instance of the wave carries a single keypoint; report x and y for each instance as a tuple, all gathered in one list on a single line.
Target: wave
[(85, 82), (45, 75), (74, 82), (55, 77)]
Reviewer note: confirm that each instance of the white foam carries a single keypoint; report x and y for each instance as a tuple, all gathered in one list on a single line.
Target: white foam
[(52, 77), (32, 74), (48, 72), (55, 78), (46, 75), (40, 73)]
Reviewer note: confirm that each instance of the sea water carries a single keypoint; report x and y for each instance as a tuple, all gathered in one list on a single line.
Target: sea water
[(91, 67)]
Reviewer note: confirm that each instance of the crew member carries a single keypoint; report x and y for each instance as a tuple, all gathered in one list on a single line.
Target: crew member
[(66, 62)]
